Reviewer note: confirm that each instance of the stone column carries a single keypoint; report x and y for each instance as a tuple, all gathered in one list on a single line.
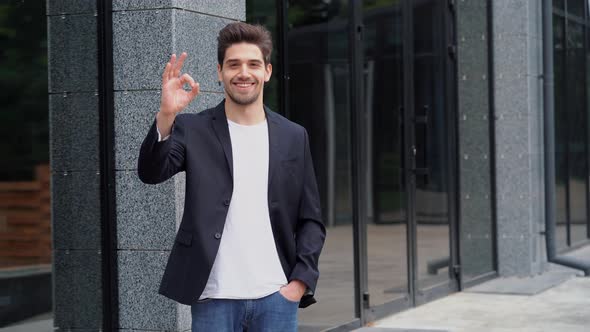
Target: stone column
[(475, 162), (74, 158), (145, 34), (519, 136)]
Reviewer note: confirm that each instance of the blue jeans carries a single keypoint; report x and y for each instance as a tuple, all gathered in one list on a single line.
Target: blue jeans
[(268, 314)]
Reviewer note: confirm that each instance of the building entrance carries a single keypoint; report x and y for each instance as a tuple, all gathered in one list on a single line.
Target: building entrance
[(373, 84), (407, 153)]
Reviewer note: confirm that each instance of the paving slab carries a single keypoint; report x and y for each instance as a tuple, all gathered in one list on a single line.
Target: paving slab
[(561, 308), (523, 285), (384, 329), (44, 325)]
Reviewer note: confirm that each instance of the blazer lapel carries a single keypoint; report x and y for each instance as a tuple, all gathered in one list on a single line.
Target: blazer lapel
[(219, 122), (273, 143)]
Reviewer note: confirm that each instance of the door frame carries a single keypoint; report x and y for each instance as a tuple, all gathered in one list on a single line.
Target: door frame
[(364, 312), (414, 296)]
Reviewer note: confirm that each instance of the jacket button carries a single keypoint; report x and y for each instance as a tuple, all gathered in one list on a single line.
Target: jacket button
[(226, 202), (218, 236)]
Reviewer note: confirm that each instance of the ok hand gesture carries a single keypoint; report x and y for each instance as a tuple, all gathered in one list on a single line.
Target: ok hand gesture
[(174, 97)]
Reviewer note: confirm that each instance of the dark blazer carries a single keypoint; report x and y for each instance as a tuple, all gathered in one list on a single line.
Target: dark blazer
[(200, 145)]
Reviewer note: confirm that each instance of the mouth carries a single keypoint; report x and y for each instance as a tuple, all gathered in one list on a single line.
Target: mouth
[(243, 85)]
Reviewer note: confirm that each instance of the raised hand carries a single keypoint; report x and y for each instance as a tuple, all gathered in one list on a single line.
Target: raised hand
[(174, 97)]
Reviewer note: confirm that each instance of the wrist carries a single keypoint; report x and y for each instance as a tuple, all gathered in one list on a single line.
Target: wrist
[(299, 286), (164, 123), (165, 116)]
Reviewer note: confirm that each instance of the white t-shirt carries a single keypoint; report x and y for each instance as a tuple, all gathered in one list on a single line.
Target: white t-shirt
[(247, 265)]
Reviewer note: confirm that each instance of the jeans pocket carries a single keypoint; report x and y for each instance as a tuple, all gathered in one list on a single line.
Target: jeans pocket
[(286, 299)]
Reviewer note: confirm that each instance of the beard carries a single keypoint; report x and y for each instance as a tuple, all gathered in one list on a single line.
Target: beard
[(242, 99)]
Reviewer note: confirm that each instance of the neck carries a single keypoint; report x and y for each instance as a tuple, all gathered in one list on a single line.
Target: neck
[(245, 114)]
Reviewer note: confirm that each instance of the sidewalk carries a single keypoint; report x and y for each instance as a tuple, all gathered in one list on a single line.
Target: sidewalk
[(40, 323), (558, 300)]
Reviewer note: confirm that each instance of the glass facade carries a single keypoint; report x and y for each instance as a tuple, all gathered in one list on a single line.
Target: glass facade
[(387, 228), (25, 199), (406, 148), (432, 133), (570, 30), (318, 68)]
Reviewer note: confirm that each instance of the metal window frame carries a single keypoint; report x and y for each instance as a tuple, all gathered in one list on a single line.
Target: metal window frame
[(586, 105), (454, 179), (585, 22), (568, 198), (410, 142), (110, 291), (492, 136), (361, 299)]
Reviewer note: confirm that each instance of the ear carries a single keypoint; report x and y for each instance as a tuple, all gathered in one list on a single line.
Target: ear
[(268, 72), (219, 77)]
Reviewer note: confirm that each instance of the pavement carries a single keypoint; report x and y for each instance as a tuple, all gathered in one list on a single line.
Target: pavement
[(557, 300), (39, 323)]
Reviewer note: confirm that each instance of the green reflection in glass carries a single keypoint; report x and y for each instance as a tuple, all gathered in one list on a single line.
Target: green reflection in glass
[(24, 138), (263, 12), (577, 130)]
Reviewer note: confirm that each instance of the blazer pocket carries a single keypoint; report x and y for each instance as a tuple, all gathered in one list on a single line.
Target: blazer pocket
[(184, 237)]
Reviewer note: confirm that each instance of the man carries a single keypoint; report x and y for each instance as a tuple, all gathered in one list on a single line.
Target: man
[(246, 254)]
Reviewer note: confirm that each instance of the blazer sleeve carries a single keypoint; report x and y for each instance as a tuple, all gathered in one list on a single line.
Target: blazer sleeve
[(159, 161), (310, 232)]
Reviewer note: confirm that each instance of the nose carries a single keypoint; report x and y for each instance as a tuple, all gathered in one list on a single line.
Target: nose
[(244, 70)]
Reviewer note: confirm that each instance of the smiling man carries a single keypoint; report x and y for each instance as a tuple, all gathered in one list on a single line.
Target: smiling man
[(246, 253)]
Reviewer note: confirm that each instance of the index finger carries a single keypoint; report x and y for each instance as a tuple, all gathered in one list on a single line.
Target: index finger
[(172, 64), (179, 63)]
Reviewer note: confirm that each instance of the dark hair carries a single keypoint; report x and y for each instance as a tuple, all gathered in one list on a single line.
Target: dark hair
[(240, 32)]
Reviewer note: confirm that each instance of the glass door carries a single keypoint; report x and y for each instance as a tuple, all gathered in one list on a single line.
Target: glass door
[(433, 125), (369, 80), (318, 94), (408, 155), (386, 220)]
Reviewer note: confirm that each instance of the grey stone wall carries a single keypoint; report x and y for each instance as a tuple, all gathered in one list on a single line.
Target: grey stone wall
[(145, 34), (519, 140), (74, 159), (476, 231), (518, 119)]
